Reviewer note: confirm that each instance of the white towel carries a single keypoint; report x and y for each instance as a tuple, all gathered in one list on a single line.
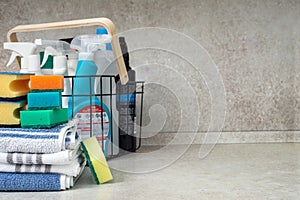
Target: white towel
[(67, 182), (59, 158), (72, 169), (52, 140)]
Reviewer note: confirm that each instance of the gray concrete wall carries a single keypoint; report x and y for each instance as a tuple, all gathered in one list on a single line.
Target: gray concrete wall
[(255, 45)]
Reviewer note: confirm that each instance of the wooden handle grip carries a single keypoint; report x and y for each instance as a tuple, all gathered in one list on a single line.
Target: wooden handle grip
[(103, 22)]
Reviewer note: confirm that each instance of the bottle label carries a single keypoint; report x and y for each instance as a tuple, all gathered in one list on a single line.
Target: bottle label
[(99, 123)]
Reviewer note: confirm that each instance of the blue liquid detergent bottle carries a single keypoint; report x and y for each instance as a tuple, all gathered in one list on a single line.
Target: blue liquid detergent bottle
[(94, 116)]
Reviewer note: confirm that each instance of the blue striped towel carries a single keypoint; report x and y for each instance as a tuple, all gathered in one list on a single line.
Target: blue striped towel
[(52, 140), (37, 181), (30, 182)]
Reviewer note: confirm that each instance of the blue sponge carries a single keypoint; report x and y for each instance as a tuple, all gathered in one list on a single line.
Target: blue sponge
[(44, 100)]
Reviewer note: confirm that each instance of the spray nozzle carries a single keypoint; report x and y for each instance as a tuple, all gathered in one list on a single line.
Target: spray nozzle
[(91, 47), (54, 48), (59, 45), (90, 43), (22, 49)]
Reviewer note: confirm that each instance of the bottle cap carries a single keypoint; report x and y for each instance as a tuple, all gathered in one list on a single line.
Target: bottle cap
[(33, 63), (101, 31), (24, 66), (59, 62), (59, 65)]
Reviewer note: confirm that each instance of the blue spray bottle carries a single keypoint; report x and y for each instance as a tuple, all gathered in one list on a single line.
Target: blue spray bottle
[(94, 116)]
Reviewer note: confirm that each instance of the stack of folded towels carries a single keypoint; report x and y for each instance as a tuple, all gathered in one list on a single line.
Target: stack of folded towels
[(39, 158)]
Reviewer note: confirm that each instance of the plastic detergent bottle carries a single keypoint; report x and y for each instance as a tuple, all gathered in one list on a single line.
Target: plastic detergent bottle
[(29, 61), (59, 50), (94, 116), (105, 57), (126, 105), (106, 62)]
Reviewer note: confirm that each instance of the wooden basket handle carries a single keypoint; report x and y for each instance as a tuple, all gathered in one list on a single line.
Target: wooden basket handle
[(103, 22)]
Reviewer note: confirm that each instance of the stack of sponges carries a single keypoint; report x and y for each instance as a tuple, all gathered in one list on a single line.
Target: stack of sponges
[(13, 91), (47, 156), (44, 103)]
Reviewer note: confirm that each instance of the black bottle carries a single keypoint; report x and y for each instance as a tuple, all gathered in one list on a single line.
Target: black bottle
[(126, 105)]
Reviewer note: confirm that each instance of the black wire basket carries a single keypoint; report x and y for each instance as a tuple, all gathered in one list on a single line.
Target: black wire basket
[(113, 113)]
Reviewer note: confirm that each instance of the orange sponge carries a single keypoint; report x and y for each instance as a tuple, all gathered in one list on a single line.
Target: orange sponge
[(50, 82)]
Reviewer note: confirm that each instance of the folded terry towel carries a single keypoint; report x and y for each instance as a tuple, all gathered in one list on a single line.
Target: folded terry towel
[(72, 169), (36, 182), (59, 158), (31, 182), (52, 140)]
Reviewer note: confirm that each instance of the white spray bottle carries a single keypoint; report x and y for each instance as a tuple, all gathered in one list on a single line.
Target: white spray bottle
[(59, 50), (30, 63)]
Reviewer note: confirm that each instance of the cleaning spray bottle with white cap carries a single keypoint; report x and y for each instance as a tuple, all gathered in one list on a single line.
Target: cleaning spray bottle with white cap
[(107, 65), (105, 57), (59, 50), (94, 116), (30, 63)]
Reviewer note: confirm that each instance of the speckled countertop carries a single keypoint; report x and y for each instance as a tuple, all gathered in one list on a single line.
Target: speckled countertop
[(240, 171)]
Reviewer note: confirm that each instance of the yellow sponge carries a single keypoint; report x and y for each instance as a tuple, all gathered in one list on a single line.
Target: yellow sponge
[(13, 84), (96, 160), (11, 110)]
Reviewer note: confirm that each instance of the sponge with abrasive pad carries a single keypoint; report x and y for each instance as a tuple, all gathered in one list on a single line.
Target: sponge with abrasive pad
[(96, 160), (44, 100), (13, 85), (43, 118), (10, 112), (51, 82)]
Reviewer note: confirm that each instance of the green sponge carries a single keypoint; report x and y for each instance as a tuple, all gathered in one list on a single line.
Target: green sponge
[(96, 160), (43, 118)]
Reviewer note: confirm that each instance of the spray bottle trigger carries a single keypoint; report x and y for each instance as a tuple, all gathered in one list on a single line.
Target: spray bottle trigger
[(12, 58), (48, 51)]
